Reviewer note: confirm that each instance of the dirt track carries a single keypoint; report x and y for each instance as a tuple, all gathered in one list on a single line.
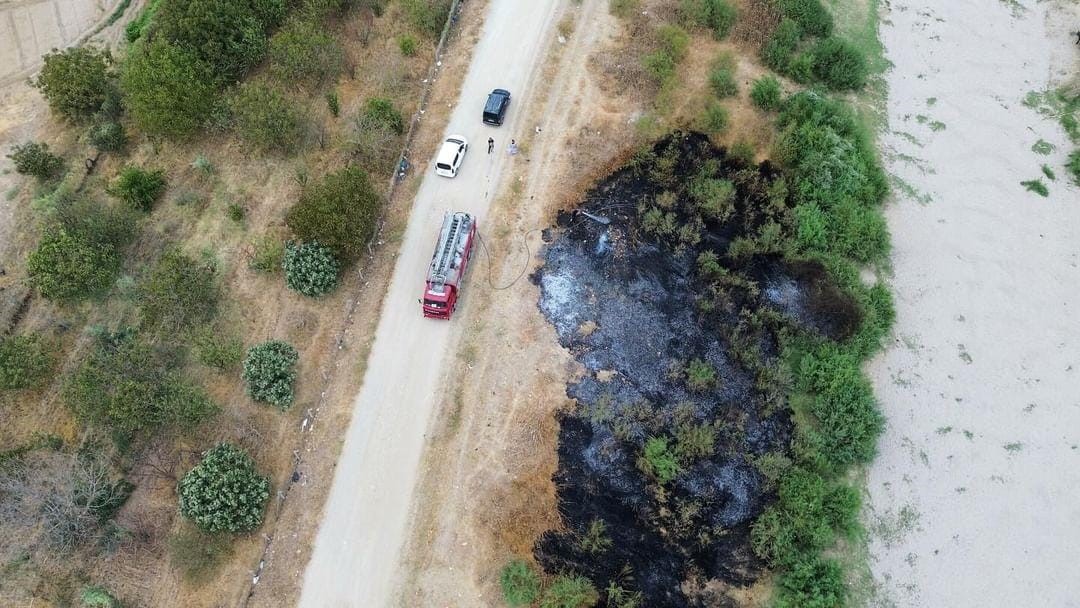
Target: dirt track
[(357, 552)]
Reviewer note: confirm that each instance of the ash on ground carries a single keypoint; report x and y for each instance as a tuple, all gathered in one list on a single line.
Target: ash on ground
[(635, 309)]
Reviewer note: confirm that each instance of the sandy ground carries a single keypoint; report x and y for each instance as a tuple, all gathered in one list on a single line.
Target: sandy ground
[(364, 524), (31, 28), (973, 498)]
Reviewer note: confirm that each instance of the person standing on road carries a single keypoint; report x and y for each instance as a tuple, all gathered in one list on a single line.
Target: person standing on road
[(512, 149), (491, 144)]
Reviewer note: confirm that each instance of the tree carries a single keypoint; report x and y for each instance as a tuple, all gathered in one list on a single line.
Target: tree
[(340, 213), (377, 133), (310, 269), (266, 118), (304, 54), (75, 81), (35, 159), (25, 361), (178, 293), (229, 35), (168, 89), (139, 188), (224, 492), (520, 583), (108, 137), (269, 371)]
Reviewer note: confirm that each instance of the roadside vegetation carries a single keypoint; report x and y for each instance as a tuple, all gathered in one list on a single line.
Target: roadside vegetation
[(199, 195)]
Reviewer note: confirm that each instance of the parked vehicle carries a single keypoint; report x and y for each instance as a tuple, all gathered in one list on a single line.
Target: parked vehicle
[(495, 108), (453, 250), (450, 155)]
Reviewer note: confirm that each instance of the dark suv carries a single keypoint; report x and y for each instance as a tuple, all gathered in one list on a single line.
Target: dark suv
[(495, 108)]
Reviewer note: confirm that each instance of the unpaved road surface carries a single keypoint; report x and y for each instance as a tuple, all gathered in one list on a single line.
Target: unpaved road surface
[(31, 28), (357, 551), (973, 496)]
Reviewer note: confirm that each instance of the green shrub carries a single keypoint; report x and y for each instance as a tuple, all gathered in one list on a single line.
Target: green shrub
[(75, 81), (428, 16), (623, 8), (131, 388), (569, 591), (694, 442), (700, 376), (716, 119), (267, 253), (310, 269), (267, 119), (716, 15), (26, 361), (339, 212), (197, 554), (812, 583), (235, 212), (811, 16), (659, 461), (35, 159), (407, 44), (141, 23), (713, 198), (839, 64), (674, 41), (781, 45), (303, 53), (270, 371), (1073, 166), (520, 583), (801, 68), (178, 293), (224, 492), (108, 137), (1049, 173), (766, 93), (169, 91), (217, 350), (1037, 186), (378, 128), (382, 112), (333, 104), (98, 597), (138, 188), (68, 267), (228, 35), (722, 80)]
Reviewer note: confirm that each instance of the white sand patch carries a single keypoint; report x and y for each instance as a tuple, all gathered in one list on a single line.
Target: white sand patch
[(975, 496)]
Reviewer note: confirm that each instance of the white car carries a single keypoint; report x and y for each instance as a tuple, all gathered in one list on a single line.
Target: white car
[(450, 155)]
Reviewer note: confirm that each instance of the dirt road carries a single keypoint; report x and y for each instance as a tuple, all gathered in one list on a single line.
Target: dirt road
[(973, 496), (357, 551)]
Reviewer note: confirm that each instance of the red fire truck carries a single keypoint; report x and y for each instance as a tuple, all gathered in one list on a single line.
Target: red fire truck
[(452, 253)]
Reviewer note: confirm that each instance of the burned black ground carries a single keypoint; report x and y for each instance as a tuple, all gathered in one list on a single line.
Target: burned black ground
[(642, 307)]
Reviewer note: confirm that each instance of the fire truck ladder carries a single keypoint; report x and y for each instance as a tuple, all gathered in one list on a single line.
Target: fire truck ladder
[(447, 250)]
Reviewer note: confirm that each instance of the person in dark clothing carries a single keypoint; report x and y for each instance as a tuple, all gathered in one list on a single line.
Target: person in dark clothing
[(1077, 36), (491, 144)]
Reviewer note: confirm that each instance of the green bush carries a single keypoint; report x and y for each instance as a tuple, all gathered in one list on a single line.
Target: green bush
[(131, 388), (700, 376), (267, 253), (35, 159), (658, 460), (694, 442), (169, 91), (26, 361), (141, 23), (1073, 166), (228, 35), (269, 371), (108, 137), (333, 104), (674, 41), (520, 583), (811, 16), (310, 269), (407, 44), (781, 45), (66, 266), (381, 111), (713, 198), (807, 517), (339, 212), (138, 188), (623, 8), (839, 64), (1037, 186), (716, 119), (303, 53), (801, 68), (218, 350), (197, 554), (75, 81), (722, 80), (378, 128), (178, 293), (716, 15), (428, 16), (812, 583), (224, 492), (267, 119), (98, 597), (766, 93), (235, 212), (569, 591)]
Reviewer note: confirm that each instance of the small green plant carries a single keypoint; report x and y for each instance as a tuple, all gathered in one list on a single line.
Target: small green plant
[(1049, 173), (217, 350), (310, 269), (1073, 166), (595, 539), (224, 492), (1037, 186), (267, 252), (658, 460), (766, 93), (716, 15), (178, 293), (694, 442), (139, 188), (203, 165), (108, 137), (98, 597), (779, 48), (407, 44), (382, 112), (520, 584), (333, 104), (235, 212), (569, 591), (839, 64), (34, 159), (811, 16), (700, 376), (716, 118), (26, 361), (722, 76), (270, 371), (1043, 147)]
